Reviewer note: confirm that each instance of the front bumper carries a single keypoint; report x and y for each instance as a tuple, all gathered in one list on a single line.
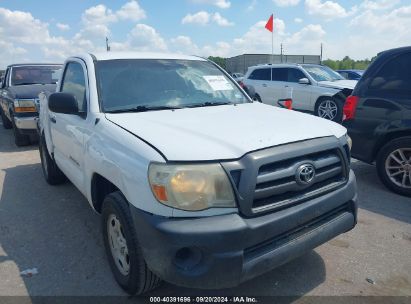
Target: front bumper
[(26, 125), (223, 251)]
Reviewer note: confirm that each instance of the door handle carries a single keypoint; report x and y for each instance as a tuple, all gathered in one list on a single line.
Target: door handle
[(264, 85), (53, 119)]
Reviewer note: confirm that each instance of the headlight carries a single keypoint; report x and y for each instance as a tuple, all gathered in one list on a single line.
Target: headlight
[(349, 140), (24, 105), (191, 187)]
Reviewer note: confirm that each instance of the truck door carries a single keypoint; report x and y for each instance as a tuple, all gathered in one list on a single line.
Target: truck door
[(3, 93), (68, 131)]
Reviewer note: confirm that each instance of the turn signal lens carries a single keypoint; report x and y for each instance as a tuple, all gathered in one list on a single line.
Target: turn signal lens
[(24, 105)]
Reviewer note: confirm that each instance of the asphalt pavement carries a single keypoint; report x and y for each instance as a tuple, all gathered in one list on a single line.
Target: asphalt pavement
[(54, 230)]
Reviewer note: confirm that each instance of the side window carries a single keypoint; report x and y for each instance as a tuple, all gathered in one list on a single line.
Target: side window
[(261, 74), (279, 74), (74, 83), (344, 74), (6, 75), (294, 75), (395, 75)]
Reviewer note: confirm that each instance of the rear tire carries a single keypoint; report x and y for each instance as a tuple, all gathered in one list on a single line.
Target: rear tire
[(394, 165), (20, 140), (6, 122), (257, 98), (127, 262), (51, 172), (329, 108)]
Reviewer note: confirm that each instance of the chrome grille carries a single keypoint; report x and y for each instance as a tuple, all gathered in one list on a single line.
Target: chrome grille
[(265, 180), (276, 183)]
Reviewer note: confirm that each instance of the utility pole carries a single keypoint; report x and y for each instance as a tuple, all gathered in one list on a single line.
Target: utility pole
[(107, 45), (281, 53), (321, 54)]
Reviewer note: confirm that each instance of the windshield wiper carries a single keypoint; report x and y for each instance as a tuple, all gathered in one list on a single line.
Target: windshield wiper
[(208, 104), (26, 83), (143, 109)]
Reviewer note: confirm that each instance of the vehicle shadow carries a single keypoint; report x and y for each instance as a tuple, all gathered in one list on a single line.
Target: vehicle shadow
[(54, 230), (7, 138), (375, 197)]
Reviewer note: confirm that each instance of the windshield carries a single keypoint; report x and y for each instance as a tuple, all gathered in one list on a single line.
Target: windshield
[(160, 84), (25, 75), (322, 73)]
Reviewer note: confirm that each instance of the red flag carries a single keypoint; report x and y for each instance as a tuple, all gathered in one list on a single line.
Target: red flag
[(270, 24)]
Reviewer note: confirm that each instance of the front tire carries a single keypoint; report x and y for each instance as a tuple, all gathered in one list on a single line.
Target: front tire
[(6, 122), (20, 140), (329, 108), (257, 98), (51, 172), (123, 249), (394, 165)]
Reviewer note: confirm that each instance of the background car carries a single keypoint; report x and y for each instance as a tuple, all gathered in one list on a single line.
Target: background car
[(238, 77), (19, 99), (313, 88), (378, 118), (351, 74)]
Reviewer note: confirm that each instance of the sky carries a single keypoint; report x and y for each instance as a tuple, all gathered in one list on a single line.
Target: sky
[(49, 31)]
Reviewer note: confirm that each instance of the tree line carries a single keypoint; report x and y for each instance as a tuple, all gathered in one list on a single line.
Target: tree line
[(345, 64)]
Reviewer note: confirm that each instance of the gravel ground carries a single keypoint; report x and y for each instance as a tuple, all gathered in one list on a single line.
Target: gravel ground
[(54, 230)]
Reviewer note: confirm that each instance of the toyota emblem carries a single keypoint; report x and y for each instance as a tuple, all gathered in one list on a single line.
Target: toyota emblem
[(305, 174)]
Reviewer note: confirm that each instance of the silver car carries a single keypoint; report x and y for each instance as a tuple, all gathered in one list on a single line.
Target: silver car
[(312, 88)]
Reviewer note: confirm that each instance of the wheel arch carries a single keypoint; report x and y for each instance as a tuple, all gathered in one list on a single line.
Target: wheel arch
[(100, 188), (386, 138)]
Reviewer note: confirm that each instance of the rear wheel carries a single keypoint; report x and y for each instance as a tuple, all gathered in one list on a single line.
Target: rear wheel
[(122, 247), (20, 139), (51, 172), (6, 122), (394, 165), (330, 109)]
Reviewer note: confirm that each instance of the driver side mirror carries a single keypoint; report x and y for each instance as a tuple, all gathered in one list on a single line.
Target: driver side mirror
[(63, 103), (304, 81)]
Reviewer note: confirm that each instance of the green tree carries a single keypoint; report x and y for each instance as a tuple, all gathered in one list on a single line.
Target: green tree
[(347, 64), (218, 60)]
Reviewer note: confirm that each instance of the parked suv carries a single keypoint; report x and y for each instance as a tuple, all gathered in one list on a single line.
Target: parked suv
[(19, 100), (378, 118), (314, 88)]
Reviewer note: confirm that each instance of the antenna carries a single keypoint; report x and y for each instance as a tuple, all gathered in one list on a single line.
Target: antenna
[(107, 45)]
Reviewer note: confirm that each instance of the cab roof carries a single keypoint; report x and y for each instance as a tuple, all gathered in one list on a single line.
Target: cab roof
[(142, 55)]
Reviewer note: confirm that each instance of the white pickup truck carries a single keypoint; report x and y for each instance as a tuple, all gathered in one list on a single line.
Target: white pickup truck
[(197, 184)]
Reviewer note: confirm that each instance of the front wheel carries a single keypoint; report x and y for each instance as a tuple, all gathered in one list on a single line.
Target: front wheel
[(123, 249), (329, 108), (51, 172), (6, 122), (20, 139), (394, 165)]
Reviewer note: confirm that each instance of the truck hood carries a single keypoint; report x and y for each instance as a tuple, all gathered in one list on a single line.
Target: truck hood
[(223, 132), (31, 91), (339, 84)]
